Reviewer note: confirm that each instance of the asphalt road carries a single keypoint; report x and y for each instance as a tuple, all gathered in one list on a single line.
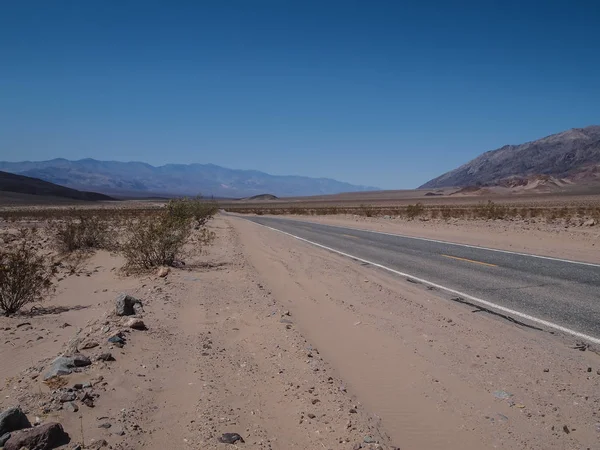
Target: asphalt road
[(561, 292)]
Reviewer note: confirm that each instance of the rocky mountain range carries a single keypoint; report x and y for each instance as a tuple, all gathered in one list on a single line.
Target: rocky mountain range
[(138, 179), (572, 155)]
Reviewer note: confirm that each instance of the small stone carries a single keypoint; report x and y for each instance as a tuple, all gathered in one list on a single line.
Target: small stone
[(68, 397), (352, 410), (126, 305), (105, 425), (231, 438), (88, 400), (566, 429), (136, 324), (97, 443), (368, 440), (105, 357), (546, 370), (311, 416), (89, 344), (163, 272), (589, 369), (71, 407)]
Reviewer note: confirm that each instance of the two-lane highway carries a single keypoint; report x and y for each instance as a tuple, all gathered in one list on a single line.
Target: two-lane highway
[(559, 294)]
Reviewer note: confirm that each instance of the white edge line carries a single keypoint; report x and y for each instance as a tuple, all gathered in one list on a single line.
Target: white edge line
[(443, 242), (452, 291)]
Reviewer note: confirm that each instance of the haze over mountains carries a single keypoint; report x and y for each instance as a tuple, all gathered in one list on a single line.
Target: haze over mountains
[(571, 156), (144, 180)]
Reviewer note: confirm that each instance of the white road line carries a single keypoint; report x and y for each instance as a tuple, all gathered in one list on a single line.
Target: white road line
[(446, 242), (452, 291)]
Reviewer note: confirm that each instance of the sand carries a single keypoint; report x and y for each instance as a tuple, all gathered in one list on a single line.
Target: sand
[(294, 347)]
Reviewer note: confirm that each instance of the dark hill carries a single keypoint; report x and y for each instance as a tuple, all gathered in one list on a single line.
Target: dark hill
[(10, 182)]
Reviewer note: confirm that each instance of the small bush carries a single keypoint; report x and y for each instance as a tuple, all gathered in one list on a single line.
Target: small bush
[(82, 233), (192, 208), (413, 211), (155, 241), (24, 278), (366, 210)]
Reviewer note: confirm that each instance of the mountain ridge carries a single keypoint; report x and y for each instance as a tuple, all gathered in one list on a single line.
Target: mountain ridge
[(21, 184), (567, 154), (134, 177)]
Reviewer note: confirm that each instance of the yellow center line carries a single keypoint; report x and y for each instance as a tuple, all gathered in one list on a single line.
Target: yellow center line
[(350, 236), (471, 260)]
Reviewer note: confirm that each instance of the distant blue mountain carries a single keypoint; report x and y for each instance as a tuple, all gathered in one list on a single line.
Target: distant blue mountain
[(143, 180)]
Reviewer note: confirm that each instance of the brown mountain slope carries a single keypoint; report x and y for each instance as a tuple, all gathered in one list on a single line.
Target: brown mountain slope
[(572, 154)]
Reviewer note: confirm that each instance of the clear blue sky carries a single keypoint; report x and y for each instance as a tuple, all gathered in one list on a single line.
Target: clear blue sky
[(385, 93)]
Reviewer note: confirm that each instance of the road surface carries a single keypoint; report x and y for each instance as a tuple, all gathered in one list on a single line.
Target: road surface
[(563, 293)]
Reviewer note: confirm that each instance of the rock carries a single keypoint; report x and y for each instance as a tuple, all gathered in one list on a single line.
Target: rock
[(13, 419), (5, 437), (311, 416), (97, 443), (231, 438), (106, 425), (566, 429), (105, 357), (136, 324), (368, 440), (117, 339), (126, 305), (68, 397), (163, 272), (43, 437), (87, 400), (64, 365), (71, 407), (589, 223), (89, 344)]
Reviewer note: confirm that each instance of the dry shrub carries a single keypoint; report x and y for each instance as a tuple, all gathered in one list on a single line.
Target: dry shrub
[(155, 241), (196, 209), (24, 277), (82, 233), (413, 211)]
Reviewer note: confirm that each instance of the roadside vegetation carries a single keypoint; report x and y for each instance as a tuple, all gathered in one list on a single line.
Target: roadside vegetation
[(488, 210), (35, 241), (25, 277)]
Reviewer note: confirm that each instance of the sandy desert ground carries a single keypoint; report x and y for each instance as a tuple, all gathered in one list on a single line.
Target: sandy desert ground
[(291, 346)]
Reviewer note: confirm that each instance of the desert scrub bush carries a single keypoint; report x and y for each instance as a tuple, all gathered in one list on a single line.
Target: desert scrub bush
[(82, 233), (154, 241), (198, 210), (24, 277), (413, 211), (366, 210)]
